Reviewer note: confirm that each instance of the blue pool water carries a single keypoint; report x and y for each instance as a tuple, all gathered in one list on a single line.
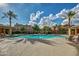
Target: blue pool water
[(37, 36)]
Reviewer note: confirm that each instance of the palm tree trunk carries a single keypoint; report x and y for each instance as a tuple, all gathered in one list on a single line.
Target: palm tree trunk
[(10, 28), (69, 29)]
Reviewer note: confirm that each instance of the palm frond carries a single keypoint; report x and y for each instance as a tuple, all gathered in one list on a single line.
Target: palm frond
[(14, 16), (9, 14), (71, 14), (4, 16)]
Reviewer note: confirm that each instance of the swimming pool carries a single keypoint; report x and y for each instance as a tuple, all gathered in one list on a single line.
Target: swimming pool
[(40, 36)]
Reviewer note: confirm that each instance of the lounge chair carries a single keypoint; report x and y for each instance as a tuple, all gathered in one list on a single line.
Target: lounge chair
[(1, 40), (24, 40), (19, 40), (70, 38), (2, 35), (74, 39), (78, 38)]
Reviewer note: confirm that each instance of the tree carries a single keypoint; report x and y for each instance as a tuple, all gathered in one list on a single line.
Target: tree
[(62, 31), (47, 30), (55, 28), (69, 15), (36, 29), (10, 15), (23, 30)]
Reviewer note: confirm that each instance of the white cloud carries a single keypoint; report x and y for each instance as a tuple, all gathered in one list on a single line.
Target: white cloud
[(32, 23), (73, 22), (65, 22), (38, 13), (47, 21), (76, 8), (52, 17), (64, 12), (34, 17)]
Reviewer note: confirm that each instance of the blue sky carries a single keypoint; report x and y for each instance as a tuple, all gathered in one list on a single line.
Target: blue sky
[(24, 10)]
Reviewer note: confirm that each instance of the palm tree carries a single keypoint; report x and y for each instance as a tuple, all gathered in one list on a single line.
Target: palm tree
[(10, 15), (69, 15)]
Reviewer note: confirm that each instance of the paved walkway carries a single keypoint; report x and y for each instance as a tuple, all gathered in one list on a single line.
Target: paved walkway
[(37, 49)]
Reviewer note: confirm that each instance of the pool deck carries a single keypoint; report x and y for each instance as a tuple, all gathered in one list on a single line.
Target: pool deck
[(8, 48)]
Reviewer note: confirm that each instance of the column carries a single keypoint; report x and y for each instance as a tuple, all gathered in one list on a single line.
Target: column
[(75, 31)]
